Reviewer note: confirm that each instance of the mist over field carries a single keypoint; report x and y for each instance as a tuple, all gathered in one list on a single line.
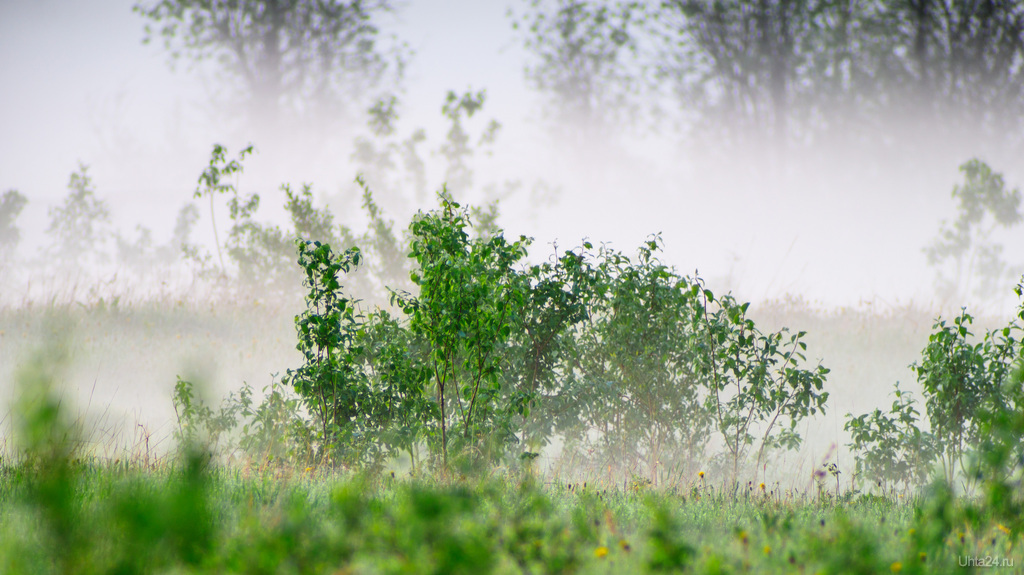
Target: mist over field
[(805, 166)]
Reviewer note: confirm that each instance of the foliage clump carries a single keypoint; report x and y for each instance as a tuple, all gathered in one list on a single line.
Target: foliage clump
[(967, 260), (972, 392), (493, 358)]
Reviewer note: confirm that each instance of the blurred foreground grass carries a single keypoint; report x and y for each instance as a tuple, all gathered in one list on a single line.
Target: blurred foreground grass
[(182, 516)]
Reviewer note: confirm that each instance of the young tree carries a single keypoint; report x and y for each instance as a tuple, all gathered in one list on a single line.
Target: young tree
[(966, 258), (890, 446), (393, 166), (80, 227), (636, 356), (11, 204), (389, 166), (211, 184), (963, 381), (470, 299), (754, 379)]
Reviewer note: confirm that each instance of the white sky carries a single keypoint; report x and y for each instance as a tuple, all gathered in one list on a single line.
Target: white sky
[(78, 85)]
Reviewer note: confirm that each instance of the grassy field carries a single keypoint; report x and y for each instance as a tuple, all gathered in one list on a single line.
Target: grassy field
[(79, 494), (67, 516)]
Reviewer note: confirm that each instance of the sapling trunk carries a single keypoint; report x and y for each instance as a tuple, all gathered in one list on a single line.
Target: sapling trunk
[(444, 433), (216, 239)]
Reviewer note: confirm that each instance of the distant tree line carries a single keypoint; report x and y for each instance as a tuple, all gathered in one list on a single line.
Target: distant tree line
[(290, 66), (788, 75)]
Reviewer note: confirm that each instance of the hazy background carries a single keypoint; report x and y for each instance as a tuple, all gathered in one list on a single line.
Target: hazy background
[(81, 87), (833, 224)]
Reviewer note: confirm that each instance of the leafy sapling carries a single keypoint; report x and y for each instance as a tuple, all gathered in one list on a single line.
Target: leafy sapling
[(11, 205), (211, 183), (891, 447), (967, 259), (80, 227)]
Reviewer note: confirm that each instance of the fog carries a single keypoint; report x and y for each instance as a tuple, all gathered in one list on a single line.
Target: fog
[(840, 228)]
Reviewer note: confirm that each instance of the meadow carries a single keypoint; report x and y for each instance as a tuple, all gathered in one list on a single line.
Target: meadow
[(63, 514), (84, 492), (439, 402), (291, 395)]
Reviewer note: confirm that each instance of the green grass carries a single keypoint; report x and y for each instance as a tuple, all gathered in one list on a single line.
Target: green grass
[(186, 517)]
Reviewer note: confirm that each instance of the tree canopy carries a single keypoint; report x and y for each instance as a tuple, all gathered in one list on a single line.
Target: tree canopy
[(791, 74), (282, 60)]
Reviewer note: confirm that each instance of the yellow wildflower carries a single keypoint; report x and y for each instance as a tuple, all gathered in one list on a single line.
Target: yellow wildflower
[(896, 567), (601, 552)]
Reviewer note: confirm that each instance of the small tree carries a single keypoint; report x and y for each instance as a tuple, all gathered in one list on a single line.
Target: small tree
[(541, 353), (364, 376), (643, 386), (211, 184), (335, 390), (966, 259), (960, 380), (470, 298), (753, 378), (11, 204), (397, 362), (891, 446), (1000, 454), (80, 227)]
